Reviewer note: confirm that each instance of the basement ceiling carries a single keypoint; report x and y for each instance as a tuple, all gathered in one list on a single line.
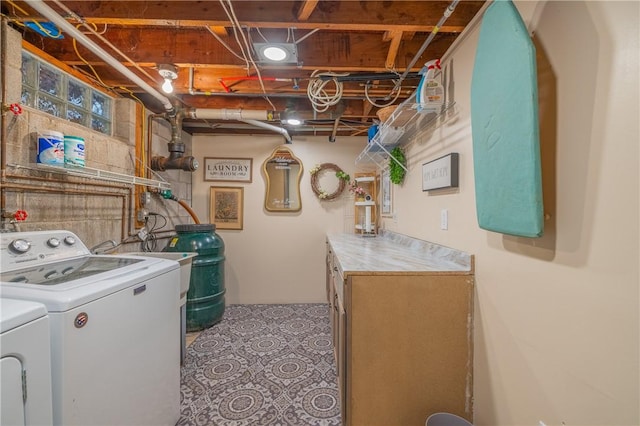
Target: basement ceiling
[(366, 46)]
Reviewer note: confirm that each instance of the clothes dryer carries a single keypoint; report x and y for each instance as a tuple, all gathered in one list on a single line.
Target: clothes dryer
[(25, 365)]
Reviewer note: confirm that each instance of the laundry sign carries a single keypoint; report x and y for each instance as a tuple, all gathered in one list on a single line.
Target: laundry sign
[(228, 169)]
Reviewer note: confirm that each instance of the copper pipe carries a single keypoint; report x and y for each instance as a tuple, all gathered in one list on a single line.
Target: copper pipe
[(32, 188), (3, 128), (139, 166)]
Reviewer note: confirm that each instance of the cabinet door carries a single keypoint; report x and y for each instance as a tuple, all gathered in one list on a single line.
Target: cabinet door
[(410, 349), (334, 327)]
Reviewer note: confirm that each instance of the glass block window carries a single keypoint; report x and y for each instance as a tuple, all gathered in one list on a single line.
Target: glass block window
[(55, 92)]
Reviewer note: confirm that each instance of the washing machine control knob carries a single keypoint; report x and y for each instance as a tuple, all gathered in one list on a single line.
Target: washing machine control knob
[(53, 242), (69, 240), (19, 246)]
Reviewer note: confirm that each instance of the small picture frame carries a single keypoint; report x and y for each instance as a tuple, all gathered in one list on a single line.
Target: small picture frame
[(386, 204), (225, 169), (226, 208)]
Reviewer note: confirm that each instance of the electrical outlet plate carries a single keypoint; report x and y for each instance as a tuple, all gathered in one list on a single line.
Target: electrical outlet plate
[(444, 219), (143, 233), (145, 198), (143, 214)]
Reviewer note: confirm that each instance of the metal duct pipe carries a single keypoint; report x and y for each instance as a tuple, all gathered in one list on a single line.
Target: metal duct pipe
[(229, 114), (268, 126), (448, 11), (334, 131), (53, 16), (176, 159), (247, 116)]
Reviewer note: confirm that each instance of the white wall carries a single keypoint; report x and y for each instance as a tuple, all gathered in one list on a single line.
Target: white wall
[(556, 318), (278, 257)]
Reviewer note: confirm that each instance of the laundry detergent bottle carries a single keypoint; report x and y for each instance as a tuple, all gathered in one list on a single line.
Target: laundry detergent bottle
[(430, 93)]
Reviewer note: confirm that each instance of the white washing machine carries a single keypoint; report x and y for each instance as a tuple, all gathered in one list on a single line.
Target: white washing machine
[(25, 364), (115, 359)]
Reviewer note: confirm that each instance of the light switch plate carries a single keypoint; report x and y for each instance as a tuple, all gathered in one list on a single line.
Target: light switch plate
[(444, 219)]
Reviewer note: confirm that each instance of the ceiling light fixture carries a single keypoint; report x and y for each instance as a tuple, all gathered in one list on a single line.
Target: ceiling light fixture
[(276, 52), (168, 73), (293, 121)]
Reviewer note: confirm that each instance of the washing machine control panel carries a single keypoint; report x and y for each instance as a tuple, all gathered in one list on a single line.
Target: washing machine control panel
[(23, 249)]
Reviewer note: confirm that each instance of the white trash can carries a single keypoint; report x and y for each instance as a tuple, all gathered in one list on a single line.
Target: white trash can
[(446, 419)]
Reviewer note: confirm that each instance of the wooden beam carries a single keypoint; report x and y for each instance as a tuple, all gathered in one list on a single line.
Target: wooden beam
[(192, 23), (307, 9), (396, 38), (343, 15), (330, 51)]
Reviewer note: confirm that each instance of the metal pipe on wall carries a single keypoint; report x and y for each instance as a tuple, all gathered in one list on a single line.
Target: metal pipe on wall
[(3, 98), (229, 114), (246, 116), (448, 11), (271, 127)]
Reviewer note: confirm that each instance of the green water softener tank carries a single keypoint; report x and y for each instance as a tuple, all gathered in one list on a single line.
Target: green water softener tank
[(205, 298)]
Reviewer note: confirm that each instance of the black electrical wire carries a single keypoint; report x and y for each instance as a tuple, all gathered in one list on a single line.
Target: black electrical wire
[(150, 243)]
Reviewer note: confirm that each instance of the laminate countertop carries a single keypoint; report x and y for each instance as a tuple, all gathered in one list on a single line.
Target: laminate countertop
[(390, 252)]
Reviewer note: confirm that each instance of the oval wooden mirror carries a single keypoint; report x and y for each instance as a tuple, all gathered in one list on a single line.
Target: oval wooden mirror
[(283, 172)]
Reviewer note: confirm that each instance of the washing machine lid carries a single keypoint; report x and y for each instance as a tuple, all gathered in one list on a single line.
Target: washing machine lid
[(67, 270), (14, 313), (96, 276)]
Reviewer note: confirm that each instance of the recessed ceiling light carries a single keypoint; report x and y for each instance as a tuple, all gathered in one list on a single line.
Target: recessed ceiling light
[(276, 52), (293, 121)]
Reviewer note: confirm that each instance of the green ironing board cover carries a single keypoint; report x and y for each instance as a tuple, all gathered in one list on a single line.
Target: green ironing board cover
[(504, 126)]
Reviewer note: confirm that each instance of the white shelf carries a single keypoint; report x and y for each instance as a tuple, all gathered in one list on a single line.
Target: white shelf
[(401, 127), (87, 172), (365, 179), (365, 203)]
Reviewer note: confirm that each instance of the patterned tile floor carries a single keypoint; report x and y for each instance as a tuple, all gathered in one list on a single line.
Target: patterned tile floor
[(262, 365)]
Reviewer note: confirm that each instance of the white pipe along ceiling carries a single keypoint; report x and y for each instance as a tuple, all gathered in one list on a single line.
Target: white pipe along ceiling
[(247, 116), (53, 16)]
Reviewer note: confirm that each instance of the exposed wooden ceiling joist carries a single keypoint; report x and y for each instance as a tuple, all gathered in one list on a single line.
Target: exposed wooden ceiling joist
[(344, 37)]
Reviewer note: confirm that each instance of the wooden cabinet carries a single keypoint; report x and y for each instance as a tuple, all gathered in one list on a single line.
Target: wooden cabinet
[(402, 338), (337, 319), (366, 214)]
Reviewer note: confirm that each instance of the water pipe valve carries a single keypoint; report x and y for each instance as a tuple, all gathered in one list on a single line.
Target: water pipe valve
[(15, 108), (166, 194), (17, 216), (20, 215)]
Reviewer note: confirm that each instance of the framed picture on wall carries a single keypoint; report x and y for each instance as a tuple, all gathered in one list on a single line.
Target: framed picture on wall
[(226, 207), (386, 205), (440, 173)]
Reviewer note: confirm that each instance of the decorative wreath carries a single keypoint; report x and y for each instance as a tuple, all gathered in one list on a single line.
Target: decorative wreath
[(321, 193)]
